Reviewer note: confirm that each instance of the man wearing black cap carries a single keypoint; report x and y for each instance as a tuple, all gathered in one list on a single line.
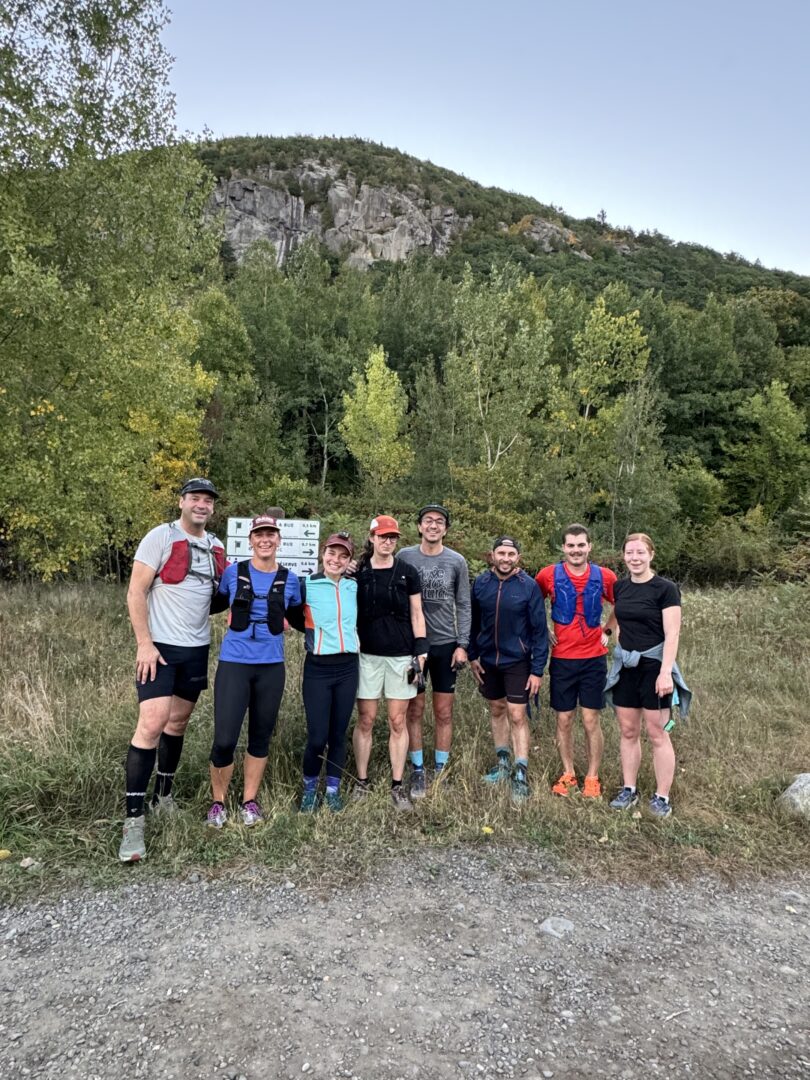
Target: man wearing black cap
[(176, 571), (508, 653), (445, 579)]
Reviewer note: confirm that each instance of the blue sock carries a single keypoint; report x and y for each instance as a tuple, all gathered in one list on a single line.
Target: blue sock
[(441, 757), (311, 783), (332, 785), (417, 759)]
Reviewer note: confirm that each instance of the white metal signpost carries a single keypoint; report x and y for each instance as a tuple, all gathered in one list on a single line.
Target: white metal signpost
[(298, 550)]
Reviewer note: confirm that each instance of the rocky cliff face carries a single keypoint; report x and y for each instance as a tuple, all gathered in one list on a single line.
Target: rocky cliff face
[(359, 222)]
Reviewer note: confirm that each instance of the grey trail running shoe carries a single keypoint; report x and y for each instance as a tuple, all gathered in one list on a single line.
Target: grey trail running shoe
[(360, 791), (217, 816), (401, 802), (625, 798), (132, 848), (418, 784), (163, 806), (251, 812)]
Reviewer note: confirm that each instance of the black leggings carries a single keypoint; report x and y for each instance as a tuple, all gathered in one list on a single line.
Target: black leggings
[(237, 689), (330, 689)]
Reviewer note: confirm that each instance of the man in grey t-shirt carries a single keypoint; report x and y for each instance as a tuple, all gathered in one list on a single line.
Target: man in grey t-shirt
[(445, 581), (174, 577)]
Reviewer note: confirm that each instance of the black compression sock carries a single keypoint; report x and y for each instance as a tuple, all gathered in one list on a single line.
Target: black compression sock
[(169, 749), (140, 764)]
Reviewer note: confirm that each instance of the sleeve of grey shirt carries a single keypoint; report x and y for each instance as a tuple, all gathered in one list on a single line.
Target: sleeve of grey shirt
[(463, 607)]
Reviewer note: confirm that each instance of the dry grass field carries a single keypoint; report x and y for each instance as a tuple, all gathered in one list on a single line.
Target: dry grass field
[(67, 710)]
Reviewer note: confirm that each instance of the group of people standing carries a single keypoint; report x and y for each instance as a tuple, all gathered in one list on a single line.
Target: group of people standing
[(382, 623)]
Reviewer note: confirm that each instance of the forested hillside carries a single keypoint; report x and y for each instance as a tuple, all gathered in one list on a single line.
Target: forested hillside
[(602, 376)]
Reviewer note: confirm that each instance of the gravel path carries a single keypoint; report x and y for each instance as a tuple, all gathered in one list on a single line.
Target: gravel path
[(443, 966)]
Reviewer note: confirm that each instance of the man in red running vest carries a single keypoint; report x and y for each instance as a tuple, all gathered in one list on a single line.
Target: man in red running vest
[(578, 668), (175, 574)]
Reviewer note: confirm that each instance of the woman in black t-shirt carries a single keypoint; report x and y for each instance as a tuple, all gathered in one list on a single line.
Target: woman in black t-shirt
[(647, 614), (391, 628)]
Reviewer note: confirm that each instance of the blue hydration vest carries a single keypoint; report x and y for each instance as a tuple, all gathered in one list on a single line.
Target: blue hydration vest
[(565, 597)]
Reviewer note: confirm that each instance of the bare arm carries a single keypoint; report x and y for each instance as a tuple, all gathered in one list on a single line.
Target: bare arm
[(672, 633), (610, 624), (417, 616), (147, 657)]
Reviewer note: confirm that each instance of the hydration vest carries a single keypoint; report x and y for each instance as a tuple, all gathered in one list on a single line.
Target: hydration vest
[(243, 600), (564, 606), (398, 599), (178, 565)]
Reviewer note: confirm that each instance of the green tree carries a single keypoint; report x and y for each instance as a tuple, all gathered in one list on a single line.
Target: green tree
[(771, 466), (373, 424), (101, 245)]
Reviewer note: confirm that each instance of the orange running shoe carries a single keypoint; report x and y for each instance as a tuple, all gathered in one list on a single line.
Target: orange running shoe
[(592, 789), (566, 785)]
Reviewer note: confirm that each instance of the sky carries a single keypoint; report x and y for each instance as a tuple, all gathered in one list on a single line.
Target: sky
[(689, 118)]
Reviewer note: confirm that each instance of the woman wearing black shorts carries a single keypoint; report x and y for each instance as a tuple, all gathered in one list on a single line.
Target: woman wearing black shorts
[(647, 617)]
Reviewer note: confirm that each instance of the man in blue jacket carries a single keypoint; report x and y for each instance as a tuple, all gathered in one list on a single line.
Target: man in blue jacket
[(508, 653)]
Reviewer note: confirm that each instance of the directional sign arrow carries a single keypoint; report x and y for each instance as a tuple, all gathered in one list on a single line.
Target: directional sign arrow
[(309, 532)]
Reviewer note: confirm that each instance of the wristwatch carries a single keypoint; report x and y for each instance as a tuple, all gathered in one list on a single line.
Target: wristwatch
[(607, 631)]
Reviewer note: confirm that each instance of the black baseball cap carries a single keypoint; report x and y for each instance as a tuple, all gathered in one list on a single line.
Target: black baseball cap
[(434, 508), (199, 483), (507, 541)]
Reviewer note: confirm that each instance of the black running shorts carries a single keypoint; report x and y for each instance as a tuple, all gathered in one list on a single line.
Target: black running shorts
[(184, 675)]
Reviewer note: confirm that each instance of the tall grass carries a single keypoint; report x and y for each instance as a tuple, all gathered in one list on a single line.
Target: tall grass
[(67, 711)]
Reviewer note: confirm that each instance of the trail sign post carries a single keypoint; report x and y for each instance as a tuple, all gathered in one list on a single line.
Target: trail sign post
[(298, 550)]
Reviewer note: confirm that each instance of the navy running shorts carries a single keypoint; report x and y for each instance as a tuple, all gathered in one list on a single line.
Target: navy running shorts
[(577, 681)]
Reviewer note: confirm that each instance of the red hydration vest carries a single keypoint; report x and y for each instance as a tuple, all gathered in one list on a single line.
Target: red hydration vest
[(177, 566)]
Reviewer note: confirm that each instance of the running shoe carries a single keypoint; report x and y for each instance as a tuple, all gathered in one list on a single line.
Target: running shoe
[(660, 807), (360, 791), (400, 800), (498, 774), (132, 848), (333, 801), (163, 806), (566, 785), (625, 798), (418, 784), (217, 816), (310, 801), (592, 789), (251, 812), (520, 787)]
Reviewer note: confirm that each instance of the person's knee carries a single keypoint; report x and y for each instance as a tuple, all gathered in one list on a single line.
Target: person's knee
[(151, 725), (565, 722), (517, 715), (591, 720), (222, 755), (259, 746), (365, 720), (396, 721)]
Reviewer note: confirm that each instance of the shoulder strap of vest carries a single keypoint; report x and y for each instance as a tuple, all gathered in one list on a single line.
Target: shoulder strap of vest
[(280, 580), (243, 574)]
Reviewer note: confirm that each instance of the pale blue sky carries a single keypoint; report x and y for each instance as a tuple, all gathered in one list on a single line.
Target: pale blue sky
[(687, 117)]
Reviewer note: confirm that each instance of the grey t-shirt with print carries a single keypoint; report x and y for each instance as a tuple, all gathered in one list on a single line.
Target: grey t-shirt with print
[(178, 614), (445, 594)]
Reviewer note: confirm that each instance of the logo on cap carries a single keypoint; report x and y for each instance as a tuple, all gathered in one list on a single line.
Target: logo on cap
[(264, 521)]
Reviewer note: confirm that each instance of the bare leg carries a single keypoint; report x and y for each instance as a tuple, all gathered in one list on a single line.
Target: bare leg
[(416, 714), (254, 771), (220, 781), (499, 722), (361, 736), (565, 740), (663, 753), (443, 719), (630, 745), (397, 737), (519, 728), (592, 722)]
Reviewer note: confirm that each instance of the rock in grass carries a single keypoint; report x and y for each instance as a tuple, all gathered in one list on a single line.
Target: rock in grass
[(796, 799)]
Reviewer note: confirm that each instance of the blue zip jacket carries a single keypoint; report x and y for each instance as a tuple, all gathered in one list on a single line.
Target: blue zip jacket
[(328, 615), (508, 622)]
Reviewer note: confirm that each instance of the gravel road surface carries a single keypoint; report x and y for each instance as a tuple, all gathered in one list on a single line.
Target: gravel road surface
[(458, 964)]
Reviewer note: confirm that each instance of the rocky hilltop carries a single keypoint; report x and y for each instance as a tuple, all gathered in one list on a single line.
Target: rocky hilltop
[(355, 220)]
